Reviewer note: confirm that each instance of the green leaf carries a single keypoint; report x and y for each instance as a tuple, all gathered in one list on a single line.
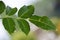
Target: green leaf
[(24, 26), (9, 24), (10, 11), (2, 7), (42, 22), (26, 11)]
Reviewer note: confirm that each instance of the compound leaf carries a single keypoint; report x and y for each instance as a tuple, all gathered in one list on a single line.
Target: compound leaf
[(2, 7), (24, 26), (26, 11), (42, 22), (10, 11), (9, 24)]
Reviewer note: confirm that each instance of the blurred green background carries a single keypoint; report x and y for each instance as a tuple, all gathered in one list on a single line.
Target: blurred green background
[(22, 36)]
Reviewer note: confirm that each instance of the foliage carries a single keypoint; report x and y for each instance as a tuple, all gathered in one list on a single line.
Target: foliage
[(25, 12)]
